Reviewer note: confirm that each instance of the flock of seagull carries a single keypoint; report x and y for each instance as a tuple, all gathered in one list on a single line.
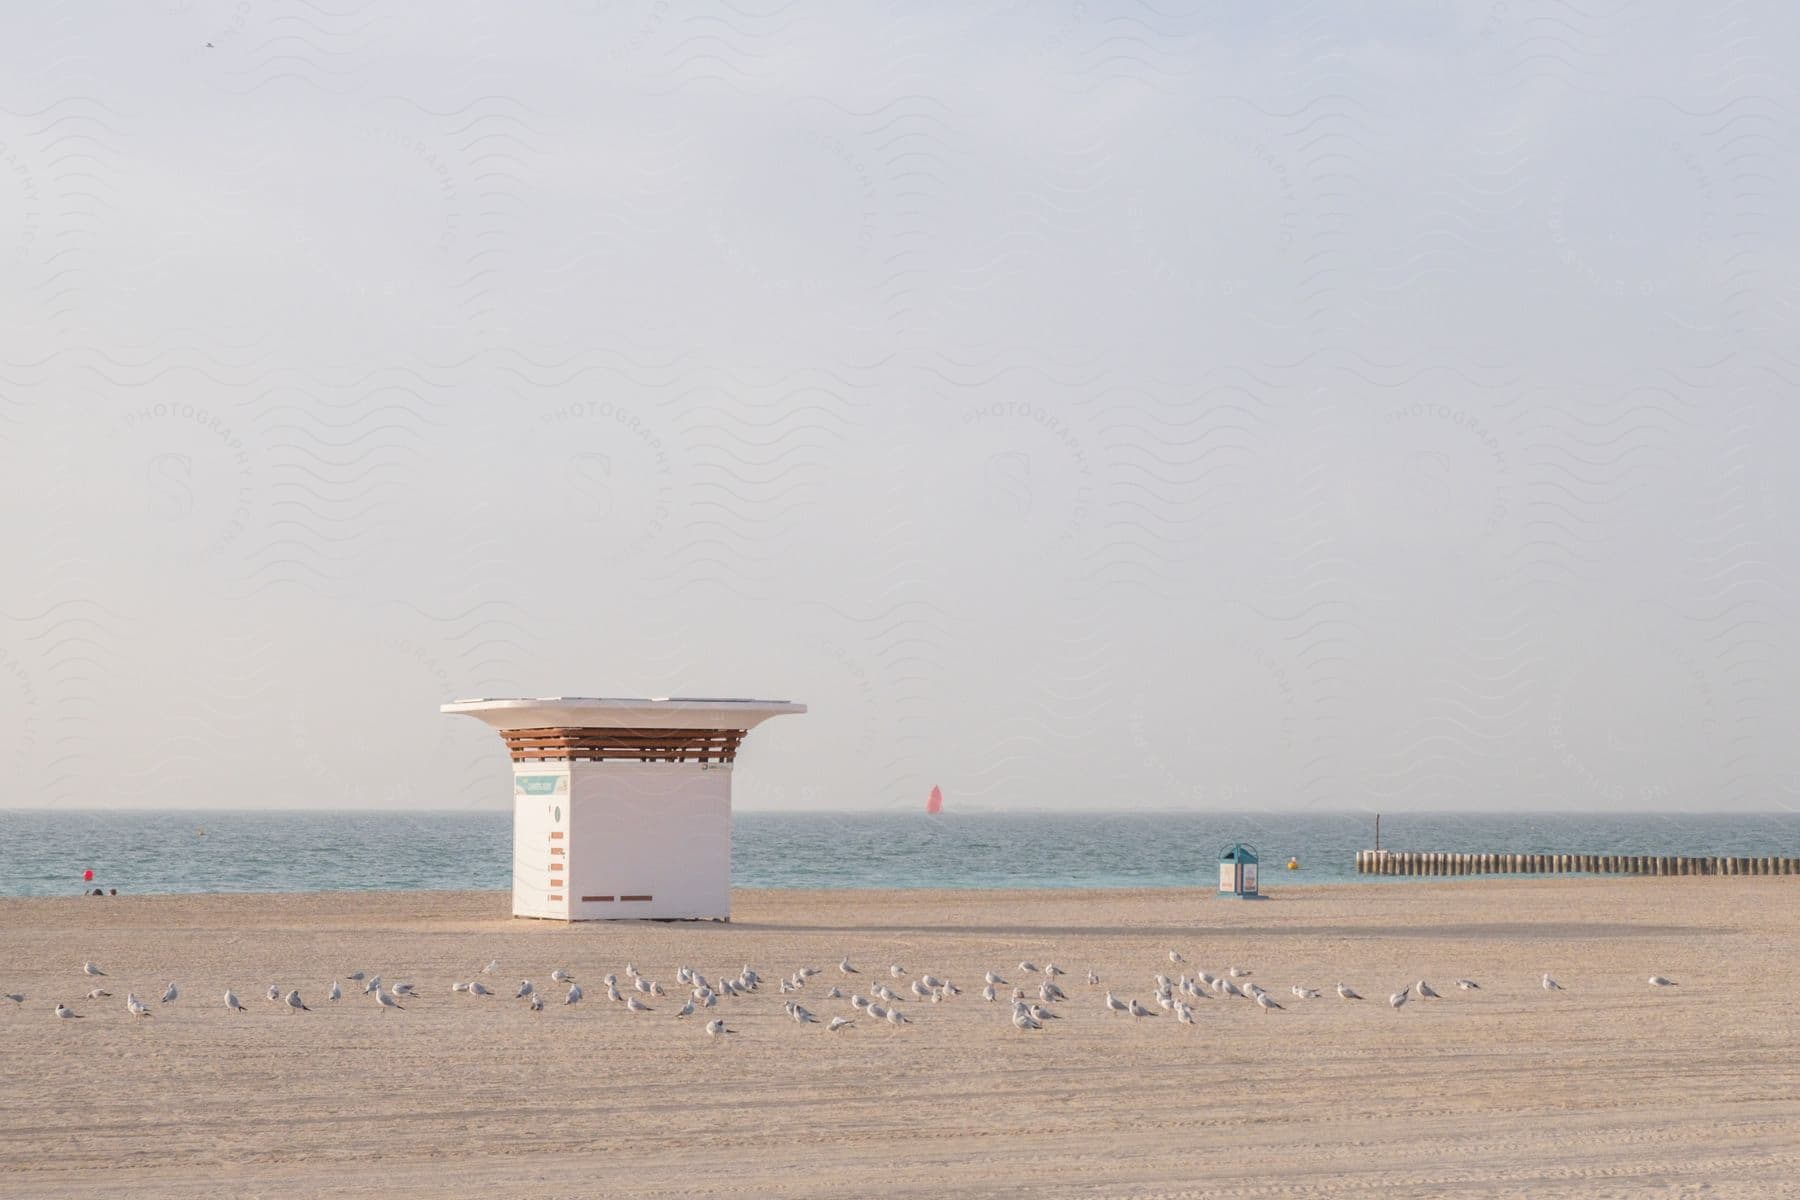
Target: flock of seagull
[(1031, 1009)]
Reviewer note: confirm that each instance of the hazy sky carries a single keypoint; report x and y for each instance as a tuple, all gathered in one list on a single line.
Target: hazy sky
[(1078, 405)]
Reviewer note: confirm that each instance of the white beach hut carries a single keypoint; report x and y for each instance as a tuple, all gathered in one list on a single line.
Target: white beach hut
[(622, 808)]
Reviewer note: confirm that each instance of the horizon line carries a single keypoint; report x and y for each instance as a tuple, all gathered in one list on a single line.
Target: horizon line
[(910, 811)]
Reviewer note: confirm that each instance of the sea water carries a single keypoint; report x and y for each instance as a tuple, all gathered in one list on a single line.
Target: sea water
[(44, 852)]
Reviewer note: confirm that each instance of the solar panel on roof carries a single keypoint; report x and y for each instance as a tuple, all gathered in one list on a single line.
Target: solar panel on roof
[(721, 700)]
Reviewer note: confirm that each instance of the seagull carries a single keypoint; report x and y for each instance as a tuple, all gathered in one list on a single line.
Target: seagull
[(919, 989), (641, 984), (1305, 993), (876, 1012), (232, 1002), (896, 1017), (1184, 1014), (1022, 1019), (1176, 958), (294, 1003), (574, 996), (561, 976), (838, 1023), (537, 1002), (716, 1026), (1426, 993), (96, 994), (374, 985), (170, 993), (636, 1005), (136, 1007), (1468, 985), (89, 968), (16, 997), (356, 977), (1400, 997), (1092, 978), (1053, 969), (1266, 1002), (491, 967), (1230, 988), (386, 1001), (1048, 992), (1040, 1013), (846, 968), (404, 989), (836, 993), (336, 993), (858, 1001), (475, 989), (1237, 973), (66, 1013), (1137, 1010), (525, 989), (1028, 968), (457, 987), (989, 994), (1114, 1004), (1550, 985), (274, 994), (686, 1010), (1659, 981), (896, 970), (993, 977), (1346, 993), (612, 993), (803, 1016)]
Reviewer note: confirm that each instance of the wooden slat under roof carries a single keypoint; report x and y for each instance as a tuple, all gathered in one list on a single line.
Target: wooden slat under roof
[(563, 743)]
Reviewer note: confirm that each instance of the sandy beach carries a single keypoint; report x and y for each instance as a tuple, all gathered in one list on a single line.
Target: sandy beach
[(1611, 1088)]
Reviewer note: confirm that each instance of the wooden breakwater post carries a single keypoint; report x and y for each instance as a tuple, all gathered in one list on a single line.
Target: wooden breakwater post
[(1433, 862)]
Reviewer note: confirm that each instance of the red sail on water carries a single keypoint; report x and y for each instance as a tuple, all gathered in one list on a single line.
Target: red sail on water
[(935, 802)]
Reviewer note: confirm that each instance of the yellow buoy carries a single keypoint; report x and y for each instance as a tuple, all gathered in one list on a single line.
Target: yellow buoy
[(1293, 864)]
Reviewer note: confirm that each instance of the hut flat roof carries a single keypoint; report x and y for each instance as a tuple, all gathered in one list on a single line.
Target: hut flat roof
[(603, 712)]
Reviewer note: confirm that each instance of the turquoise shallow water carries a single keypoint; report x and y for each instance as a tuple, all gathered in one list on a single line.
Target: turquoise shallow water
[(42, 853)]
